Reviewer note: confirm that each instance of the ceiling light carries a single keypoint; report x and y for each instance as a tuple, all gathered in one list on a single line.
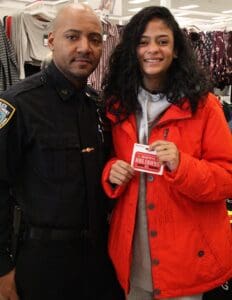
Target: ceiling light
[(136, 9), (227, 11), (138, 1), (188, 6), (184, 13), (219, 18)]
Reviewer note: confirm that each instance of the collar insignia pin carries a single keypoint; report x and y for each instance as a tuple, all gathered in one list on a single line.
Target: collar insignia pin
[(87, 150)]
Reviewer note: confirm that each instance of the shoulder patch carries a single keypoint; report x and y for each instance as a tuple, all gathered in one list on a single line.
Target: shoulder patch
[(6, 112)]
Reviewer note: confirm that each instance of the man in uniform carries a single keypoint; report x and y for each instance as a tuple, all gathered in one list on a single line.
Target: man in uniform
[(52, 147)]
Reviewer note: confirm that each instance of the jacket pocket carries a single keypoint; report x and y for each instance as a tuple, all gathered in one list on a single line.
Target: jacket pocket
[(59, 157)]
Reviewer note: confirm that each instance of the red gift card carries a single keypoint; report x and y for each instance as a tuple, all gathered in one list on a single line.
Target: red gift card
[(145, 161)]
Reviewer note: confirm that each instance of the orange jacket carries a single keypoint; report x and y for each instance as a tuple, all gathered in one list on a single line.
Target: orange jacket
[(188, 226)]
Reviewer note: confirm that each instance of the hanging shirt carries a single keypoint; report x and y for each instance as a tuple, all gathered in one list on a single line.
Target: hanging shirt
[(29, 38), (110, 40)]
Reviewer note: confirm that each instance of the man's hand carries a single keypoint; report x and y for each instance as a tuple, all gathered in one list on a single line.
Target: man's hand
[(8, 287)]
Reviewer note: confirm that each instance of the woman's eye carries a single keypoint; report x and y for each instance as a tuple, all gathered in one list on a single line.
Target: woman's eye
[(143, 43), (163, 42)]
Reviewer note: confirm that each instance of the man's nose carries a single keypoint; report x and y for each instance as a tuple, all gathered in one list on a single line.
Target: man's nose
[(83, 45)]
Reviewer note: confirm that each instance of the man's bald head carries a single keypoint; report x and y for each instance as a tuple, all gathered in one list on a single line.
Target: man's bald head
[(76, 42), (73, 9)]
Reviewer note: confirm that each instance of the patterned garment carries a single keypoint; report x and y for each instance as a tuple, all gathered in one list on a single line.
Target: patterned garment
[(228, 39), (214, 52), (8, 66), (110, 40), (218, 59)]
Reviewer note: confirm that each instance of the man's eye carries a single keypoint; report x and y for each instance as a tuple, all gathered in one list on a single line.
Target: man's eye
[(96, 41), (71, 37)]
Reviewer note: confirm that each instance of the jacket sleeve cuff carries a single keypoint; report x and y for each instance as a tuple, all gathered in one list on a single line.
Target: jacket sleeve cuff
[(177, 176), (111, 190)]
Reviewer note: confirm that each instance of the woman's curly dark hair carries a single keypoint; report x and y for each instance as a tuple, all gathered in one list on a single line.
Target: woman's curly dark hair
[(123, 79)]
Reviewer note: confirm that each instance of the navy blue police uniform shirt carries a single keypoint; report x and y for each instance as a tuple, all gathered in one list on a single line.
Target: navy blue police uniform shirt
[(53, 147)]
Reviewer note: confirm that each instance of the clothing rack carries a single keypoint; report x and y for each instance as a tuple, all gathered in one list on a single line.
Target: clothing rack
[(214, 52)]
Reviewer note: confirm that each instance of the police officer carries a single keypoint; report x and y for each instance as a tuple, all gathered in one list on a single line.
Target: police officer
[(52, 147)]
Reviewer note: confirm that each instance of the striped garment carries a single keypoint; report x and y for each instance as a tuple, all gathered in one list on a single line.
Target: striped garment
[(8, 66), (110, 40)]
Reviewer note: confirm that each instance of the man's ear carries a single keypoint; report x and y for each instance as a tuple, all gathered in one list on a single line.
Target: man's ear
[(51, 41)]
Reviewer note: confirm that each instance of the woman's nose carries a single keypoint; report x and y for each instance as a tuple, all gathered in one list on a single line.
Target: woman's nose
[(153, 47)]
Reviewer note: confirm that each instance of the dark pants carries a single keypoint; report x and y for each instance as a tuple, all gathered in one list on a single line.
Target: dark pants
[(223, 292), (57, 270)]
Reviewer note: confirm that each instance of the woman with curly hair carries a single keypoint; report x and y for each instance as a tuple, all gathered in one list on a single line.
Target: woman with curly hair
[(170, 236)]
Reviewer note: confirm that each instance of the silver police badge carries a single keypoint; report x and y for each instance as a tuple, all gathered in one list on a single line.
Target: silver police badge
[(6, 112)]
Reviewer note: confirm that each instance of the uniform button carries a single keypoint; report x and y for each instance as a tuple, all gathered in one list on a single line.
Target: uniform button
[(156, 292), (153, 233), (151, 206), (64, 92), (201, 253), (150, 178), (155, 262)]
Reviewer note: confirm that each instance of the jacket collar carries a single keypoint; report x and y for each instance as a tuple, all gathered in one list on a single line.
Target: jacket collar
[(65, 89), (174, 112)]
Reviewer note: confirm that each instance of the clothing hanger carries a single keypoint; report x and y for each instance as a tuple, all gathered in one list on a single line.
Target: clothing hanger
[(44, 10), (193, 28), (40, 10), (103, 15)]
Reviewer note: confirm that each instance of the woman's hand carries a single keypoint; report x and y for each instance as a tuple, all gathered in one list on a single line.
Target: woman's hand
[(167, 152), (121, 172)]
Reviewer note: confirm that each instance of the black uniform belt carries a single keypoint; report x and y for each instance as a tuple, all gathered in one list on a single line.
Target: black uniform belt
[(39, 233)]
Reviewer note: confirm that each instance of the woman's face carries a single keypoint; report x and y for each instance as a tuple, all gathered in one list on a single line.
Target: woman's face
[(155, 53)]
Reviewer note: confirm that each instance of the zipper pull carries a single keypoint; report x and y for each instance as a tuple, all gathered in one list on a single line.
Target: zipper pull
[(165, 134), (101, 133)]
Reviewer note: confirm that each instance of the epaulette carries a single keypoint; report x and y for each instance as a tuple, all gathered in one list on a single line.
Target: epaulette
[(25, 85)]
